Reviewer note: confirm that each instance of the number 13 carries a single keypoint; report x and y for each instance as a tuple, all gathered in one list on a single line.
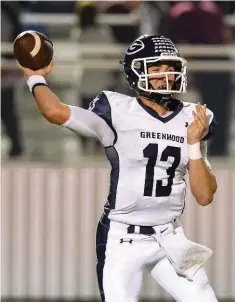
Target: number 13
[(151, 152)]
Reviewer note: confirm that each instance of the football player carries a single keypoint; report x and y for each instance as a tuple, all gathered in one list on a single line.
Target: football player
[(151, 141)]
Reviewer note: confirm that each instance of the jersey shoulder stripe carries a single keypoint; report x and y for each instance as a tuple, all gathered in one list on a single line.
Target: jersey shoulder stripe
[(101, 106)]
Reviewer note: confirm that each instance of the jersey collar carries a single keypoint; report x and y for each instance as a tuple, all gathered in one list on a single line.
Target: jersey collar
[(178, 106)]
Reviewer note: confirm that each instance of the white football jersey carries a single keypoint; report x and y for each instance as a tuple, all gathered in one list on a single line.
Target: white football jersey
[(147, 152)]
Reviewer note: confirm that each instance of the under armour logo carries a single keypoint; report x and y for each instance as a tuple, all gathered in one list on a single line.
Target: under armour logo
[(126, 240), (186, 124)]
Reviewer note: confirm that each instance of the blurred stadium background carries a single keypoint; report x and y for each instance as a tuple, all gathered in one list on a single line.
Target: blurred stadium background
[(54, 183)]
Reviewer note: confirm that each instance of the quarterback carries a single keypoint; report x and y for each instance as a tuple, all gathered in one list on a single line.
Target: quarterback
[(152, 141)]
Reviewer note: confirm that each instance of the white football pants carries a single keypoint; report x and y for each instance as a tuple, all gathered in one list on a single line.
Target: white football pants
[(121, 258)]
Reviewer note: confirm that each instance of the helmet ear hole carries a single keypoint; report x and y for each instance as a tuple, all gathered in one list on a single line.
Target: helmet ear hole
[(142, 84), (130, 76)]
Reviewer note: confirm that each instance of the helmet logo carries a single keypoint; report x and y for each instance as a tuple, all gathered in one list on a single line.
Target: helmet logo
[(135, 47)]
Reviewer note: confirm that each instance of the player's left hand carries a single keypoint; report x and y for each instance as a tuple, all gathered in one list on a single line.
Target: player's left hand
[(199, 126)]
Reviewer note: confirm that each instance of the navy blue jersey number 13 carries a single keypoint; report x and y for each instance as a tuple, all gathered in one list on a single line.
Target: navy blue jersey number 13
[(151, 152)]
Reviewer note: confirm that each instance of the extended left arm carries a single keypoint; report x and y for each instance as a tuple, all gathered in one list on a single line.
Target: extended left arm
[(202, 181)]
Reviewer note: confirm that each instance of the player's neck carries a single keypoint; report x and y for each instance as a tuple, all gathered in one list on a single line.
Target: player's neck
[(156, 107)]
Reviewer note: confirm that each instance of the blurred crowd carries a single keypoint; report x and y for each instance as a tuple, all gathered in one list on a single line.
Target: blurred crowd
[(204, 21)]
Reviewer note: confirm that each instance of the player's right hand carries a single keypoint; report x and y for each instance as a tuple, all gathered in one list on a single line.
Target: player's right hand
[(42, 72)]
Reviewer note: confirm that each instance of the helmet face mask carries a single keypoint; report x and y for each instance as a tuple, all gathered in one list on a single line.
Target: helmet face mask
[(141, 66), (148, 51)]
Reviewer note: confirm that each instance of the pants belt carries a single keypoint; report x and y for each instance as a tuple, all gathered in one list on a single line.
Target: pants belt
[(143, 230), (147, 230)]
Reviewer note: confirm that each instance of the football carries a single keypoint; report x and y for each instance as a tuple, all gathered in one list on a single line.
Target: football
[(33, 50)]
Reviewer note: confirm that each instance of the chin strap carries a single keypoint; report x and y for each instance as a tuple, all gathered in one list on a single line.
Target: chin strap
[(161, 99)]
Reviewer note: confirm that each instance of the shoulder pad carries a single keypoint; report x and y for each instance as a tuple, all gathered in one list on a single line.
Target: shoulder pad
[(210, 118), (116, 97), (211, 131), (186, 104)]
